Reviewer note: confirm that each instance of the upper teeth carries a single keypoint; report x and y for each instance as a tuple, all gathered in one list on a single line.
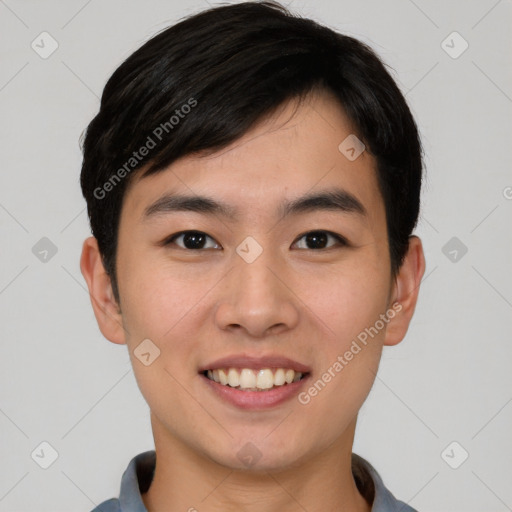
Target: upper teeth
[(254, 380)]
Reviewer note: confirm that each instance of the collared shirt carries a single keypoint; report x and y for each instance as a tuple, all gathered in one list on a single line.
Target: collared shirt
[(139, 474)]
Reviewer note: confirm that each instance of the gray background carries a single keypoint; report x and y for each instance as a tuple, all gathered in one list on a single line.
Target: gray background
[(450, 380)]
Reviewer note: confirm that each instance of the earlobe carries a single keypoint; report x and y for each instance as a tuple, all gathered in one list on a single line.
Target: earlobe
[(406, 290), (106, 308)]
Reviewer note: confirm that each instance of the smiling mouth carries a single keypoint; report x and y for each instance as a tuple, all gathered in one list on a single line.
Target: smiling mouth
[(247, 379)]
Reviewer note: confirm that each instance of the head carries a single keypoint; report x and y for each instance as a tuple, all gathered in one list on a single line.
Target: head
[(252, 108)]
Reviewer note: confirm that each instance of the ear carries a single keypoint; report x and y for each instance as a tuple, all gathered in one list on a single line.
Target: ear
[(405, 291), (106, 309)]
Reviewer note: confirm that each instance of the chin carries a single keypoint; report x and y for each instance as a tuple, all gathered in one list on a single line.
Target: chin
[(261, 457)]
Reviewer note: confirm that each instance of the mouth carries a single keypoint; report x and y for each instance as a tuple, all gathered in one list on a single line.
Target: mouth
[(250, 379), (255, 382)]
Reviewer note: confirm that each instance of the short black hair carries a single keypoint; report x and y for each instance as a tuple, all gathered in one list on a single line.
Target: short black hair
[(201, 84)]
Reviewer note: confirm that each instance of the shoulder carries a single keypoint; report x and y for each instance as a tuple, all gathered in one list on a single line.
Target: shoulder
[(136, 479), (371, 486), (111, 505)]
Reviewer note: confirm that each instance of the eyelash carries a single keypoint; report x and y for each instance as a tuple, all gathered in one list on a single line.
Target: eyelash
[(340, 240)]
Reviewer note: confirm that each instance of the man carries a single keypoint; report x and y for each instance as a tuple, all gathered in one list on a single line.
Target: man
[(252, 182)]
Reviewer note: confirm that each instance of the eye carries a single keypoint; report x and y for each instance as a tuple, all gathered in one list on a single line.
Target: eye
[(197, 240), (319, 240), (192, 240)]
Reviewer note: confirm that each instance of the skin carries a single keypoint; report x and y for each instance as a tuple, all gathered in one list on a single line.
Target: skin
[(304, 303)]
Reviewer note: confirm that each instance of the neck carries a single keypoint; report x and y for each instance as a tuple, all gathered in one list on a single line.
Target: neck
[(187, 480)]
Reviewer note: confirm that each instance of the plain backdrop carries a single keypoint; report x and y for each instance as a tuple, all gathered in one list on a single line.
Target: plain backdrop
[(442, 395)]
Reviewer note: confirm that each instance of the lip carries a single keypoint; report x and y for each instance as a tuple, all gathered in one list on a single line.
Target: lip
[(255, 400), (255, 363)]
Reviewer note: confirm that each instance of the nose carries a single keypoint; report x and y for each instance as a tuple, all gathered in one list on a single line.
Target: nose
[(257, 299)]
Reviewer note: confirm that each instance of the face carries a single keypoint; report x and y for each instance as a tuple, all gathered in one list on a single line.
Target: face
[(267, 280)]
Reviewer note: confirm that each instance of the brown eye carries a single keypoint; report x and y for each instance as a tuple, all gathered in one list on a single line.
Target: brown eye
[(320, 240), (192, 240)]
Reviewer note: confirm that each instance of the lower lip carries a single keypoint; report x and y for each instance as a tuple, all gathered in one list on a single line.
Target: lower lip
[(256, 399)]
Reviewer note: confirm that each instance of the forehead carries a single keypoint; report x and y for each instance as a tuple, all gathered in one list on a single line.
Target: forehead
[(299, 149)]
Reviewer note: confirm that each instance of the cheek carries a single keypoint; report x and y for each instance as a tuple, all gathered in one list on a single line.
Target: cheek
[(348, 301), (154, 298), (350, 304), (167, 308)]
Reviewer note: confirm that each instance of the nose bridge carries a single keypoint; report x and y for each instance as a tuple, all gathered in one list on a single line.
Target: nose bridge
[(256, 278), (255, 297), (256, 285)]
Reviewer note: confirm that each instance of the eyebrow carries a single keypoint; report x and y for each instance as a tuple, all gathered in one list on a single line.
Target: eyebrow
[(328, 200)]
